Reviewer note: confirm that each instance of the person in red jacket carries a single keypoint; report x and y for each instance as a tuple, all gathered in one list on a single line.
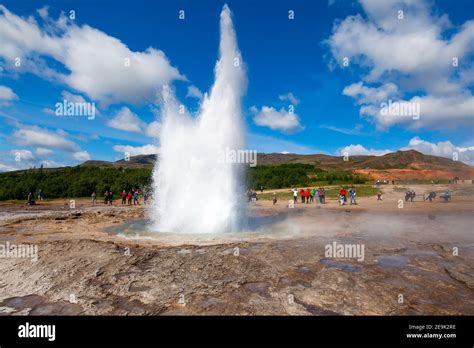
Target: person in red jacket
[(303, 195), (124, 197), (343, 193), (129, 197), (307, 195)]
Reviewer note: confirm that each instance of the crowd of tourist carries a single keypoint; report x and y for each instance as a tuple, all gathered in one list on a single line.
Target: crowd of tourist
[(130, 197)]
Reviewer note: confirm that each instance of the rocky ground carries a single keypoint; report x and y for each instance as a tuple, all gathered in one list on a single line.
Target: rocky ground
[(418, 259)]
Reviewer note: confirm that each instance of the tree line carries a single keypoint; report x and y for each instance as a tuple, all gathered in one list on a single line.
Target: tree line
[(81, 181), (66, 182)]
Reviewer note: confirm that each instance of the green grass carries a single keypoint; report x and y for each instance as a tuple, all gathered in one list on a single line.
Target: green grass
[(14, 202)]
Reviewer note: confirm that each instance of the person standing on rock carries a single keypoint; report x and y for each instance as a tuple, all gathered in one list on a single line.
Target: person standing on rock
[(93, 198), (106, 197), (135, 198), (295, 195), (31, 200), (352, 193), (124, 197), (343, 194), (323, 196)]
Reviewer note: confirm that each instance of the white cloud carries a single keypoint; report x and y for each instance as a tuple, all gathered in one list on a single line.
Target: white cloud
[(24, 164), (6, 168), (42, 152), (7, 95), (442, 149), (23, 155), (281, 120), (36, 136), (289, 97), (19, 159), (440, 112), (101, 70), (137, 150), (153, 129), (45, 142), (81, 156), (408, 59), (72, 98), (43, 12), (126, 120), (370, 95), (194, 92), (359, 150)]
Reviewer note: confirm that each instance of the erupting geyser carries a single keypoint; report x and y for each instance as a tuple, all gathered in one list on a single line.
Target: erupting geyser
[(194, 191)]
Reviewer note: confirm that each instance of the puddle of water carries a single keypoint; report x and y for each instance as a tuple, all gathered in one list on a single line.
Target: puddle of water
[(392, 261), (420, 252), (58, 308), (40, 306), (346, 267), (305, 270), (23, 302), (267, 226), (139, 229)]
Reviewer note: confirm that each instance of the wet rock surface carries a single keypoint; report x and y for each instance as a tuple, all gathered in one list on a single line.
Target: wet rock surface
[(104, 281), (82, 270)]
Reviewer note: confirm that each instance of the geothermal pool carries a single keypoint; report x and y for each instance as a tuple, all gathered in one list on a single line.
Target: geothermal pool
[(386, 228), (276, 226)]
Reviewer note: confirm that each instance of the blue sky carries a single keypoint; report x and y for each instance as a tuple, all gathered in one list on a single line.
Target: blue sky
[(294, 63)]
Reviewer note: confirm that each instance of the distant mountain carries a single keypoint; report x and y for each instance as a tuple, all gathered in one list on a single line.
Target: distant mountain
[(408, 164), (132, 162), (410, 159), (97, 163)]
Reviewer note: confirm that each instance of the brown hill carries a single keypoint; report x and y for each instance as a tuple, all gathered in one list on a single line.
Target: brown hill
[(133, 162), (410, 159), (399, 165)]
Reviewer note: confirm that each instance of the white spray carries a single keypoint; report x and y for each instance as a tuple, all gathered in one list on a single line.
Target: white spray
[(194, 192)]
